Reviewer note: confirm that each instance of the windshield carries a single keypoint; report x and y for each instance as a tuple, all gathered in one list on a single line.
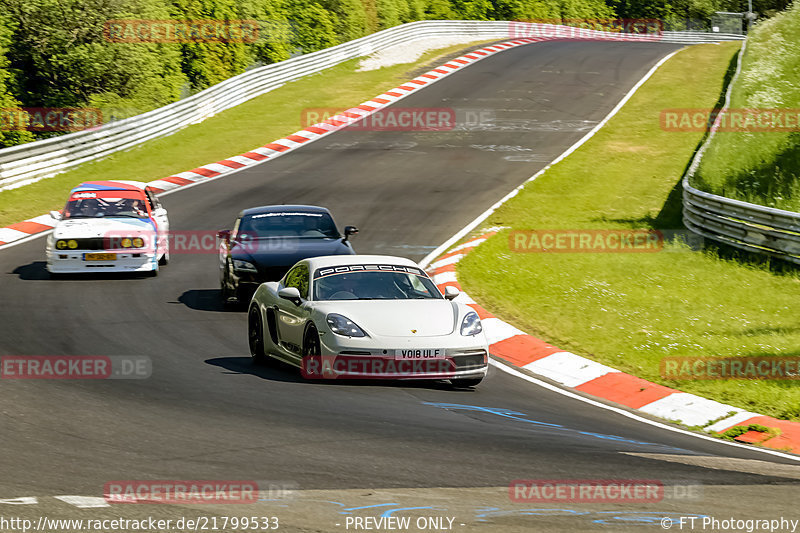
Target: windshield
[(289, 224), (130, 204), (375, 285)]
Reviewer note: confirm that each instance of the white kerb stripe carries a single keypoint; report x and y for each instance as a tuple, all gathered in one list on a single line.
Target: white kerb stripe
[(731, 421), (687, 408), (470, 244), (568, 369), (446, 261), (188, 175), (241, 159), (8, 234), (216, 167), (163, 185), (496, 330), (444, 277), (47, 220)]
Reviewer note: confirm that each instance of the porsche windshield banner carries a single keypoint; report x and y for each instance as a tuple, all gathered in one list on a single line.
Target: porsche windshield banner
[(344, 269)]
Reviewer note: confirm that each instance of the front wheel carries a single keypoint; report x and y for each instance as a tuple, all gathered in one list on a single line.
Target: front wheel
[(311, 342), (463, 383), (255, 335)]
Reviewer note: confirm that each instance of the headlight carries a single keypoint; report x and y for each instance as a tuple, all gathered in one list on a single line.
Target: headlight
[(61, 244), (138, 242), (471, 325), (126, 242), (243, 266), (72, 243), (341, 325)]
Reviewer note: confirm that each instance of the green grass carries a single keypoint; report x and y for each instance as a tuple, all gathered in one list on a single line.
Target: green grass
[(232, 132), (629, 310), (762, 167)]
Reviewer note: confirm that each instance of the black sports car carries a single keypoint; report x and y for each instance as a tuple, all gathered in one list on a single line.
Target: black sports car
[(266, 241)]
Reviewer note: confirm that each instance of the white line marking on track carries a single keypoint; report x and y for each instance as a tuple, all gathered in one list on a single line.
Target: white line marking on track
[(84, 502)]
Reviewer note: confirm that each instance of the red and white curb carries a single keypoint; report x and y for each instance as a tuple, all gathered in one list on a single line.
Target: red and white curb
[(585, 375), (38, 226)]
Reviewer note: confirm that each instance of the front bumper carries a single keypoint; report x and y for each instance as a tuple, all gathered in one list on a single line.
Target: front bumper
[(73, 262), (368, 358)]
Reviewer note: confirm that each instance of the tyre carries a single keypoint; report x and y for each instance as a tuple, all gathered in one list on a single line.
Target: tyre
[(255, 335), (311, 342), (463, 383), (164, 261)]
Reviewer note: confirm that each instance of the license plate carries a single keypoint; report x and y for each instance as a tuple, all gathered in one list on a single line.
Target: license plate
[(99, 257), (414, 354)]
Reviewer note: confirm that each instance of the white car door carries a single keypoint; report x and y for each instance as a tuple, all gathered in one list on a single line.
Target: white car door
[(291, 318)]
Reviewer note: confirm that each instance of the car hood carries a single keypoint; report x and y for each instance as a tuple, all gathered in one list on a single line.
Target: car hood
[(84, 228), (286, 252), (398, 318)]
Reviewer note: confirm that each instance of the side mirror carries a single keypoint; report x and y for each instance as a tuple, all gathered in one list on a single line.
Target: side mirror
[(159, 212), (451, 292), (349, 230), (291, 294), (224, 234), (56, 215)]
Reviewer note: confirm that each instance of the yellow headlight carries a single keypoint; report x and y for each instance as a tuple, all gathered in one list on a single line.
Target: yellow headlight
[(72, 243), (126, 242), (138, 242), (61, 244)]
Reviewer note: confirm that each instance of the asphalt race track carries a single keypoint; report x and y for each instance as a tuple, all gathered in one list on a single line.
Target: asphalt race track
[(351, 449)]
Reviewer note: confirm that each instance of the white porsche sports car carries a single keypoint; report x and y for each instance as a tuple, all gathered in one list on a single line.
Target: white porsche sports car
[(109, 226), (366, 317)]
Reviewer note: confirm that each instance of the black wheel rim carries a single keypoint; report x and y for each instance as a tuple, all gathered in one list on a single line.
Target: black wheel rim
[(312, 344)]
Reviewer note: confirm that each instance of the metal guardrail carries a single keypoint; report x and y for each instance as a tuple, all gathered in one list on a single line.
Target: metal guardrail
[(23, 164), (751, 227)]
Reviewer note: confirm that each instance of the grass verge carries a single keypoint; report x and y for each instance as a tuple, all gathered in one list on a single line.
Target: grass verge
[(629, 310), (762, 167), (232, 132)]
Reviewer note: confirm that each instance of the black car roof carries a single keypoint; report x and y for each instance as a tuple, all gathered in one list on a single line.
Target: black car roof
[(284, 209)]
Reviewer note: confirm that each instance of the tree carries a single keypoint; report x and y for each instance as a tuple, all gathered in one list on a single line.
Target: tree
[(65, 60), (208, 62), (10, 134)]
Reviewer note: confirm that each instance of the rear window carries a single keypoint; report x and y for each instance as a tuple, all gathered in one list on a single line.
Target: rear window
[(289, 224)]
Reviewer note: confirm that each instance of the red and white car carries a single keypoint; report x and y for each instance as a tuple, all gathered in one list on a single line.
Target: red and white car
[(109, 226)]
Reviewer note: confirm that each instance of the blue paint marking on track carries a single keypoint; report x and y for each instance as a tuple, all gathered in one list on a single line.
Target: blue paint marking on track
[(516, 415)]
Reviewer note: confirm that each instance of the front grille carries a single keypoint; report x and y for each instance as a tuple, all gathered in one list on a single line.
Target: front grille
[(473, 361), (93, 243)]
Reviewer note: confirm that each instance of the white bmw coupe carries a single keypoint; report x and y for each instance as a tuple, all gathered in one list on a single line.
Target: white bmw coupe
[(366, 317), (109, 226)]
